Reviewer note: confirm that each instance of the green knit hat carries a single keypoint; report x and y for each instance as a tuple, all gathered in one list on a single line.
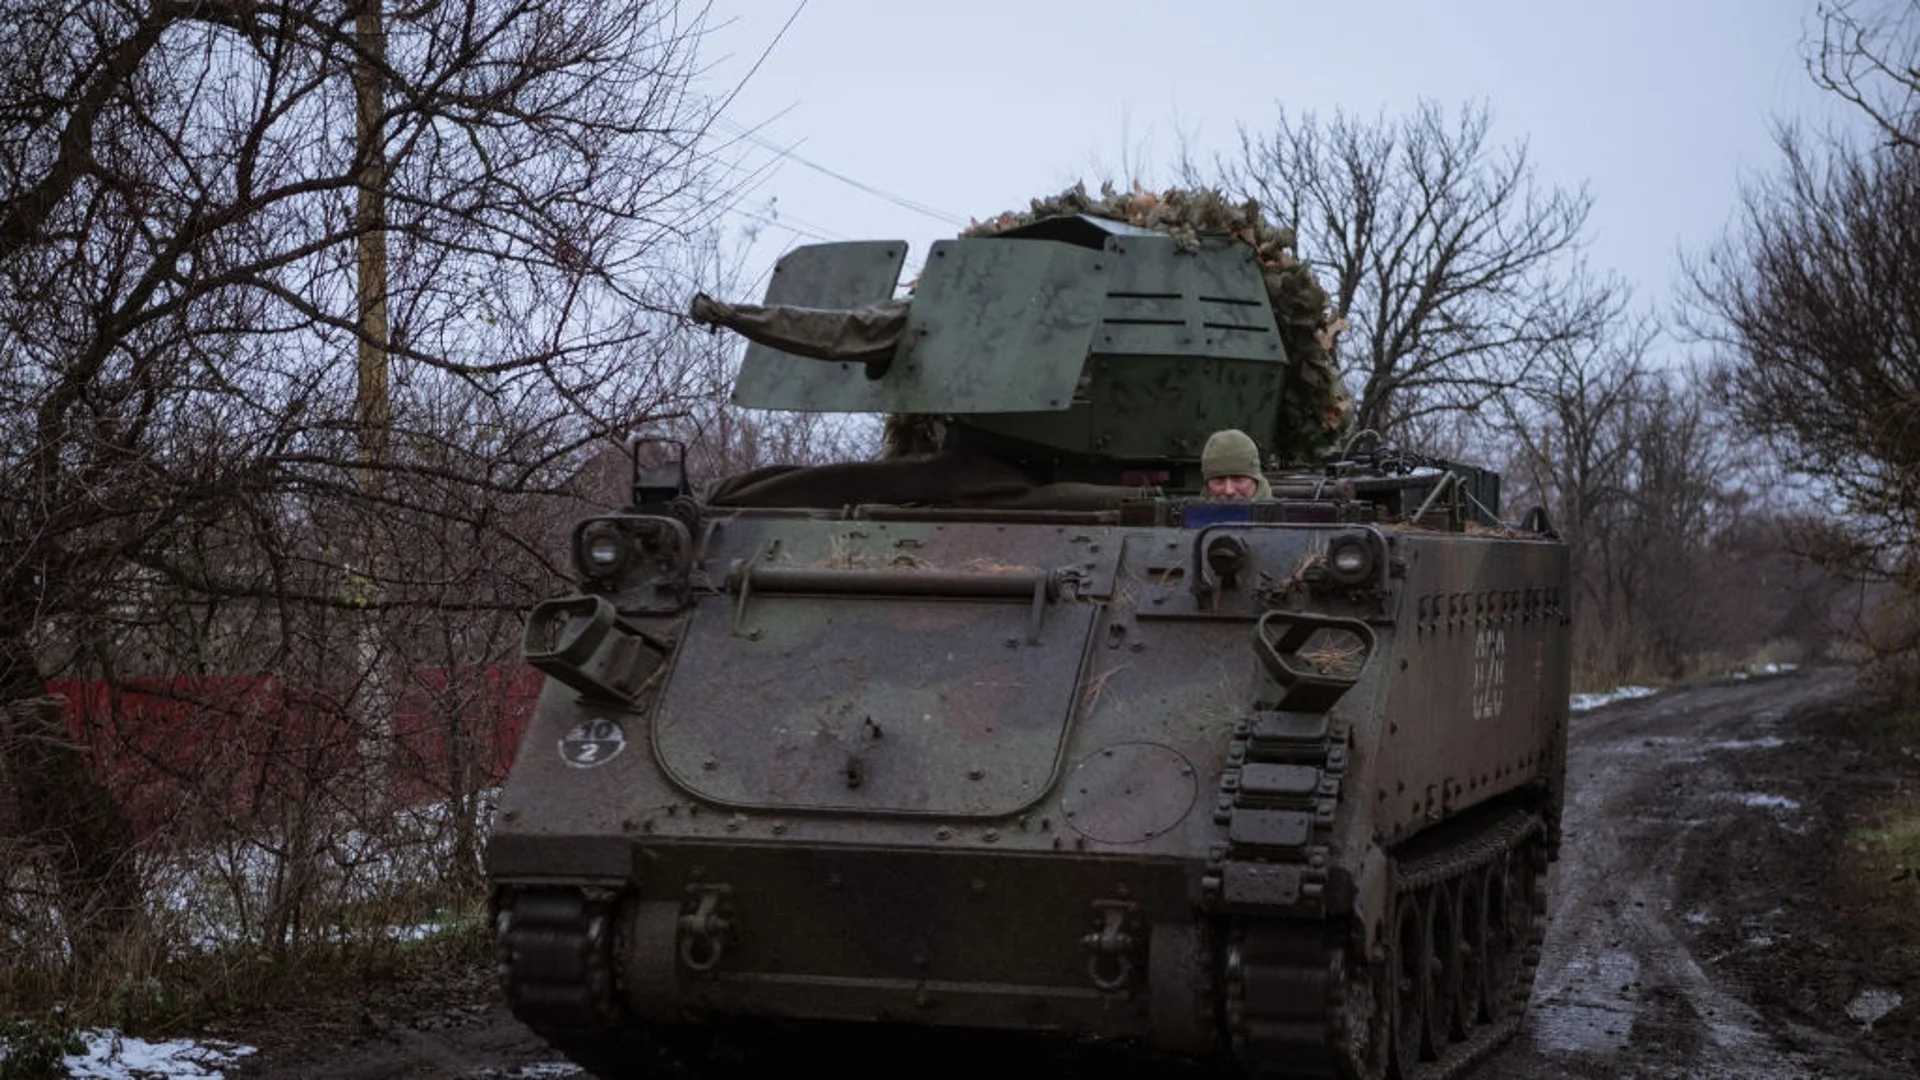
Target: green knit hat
[(1230, 453)]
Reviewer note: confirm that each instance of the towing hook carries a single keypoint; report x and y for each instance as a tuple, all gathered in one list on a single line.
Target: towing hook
[(1111, 965), (704, 932)]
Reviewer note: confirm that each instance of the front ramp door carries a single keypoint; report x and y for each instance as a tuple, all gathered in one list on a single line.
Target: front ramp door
[(911, 705)]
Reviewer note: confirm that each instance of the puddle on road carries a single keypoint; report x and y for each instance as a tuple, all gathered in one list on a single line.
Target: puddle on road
[(1593, 1017), (1782, 810), (1765, 742), (1655, 742), (1682, 751), (1668, 821)]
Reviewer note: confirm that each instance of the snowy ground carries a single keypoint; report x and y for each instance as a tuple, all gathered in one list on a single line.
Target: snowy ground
[(205, 894), (1583, 702), (112, 1056)]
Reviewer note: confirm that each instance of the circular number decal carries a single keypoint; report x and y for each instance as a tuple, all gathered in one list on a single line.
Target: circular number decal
[(592, 742)]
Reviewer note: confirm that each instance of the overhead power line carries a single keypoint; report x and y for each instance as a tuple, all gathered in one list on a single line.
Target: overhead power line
[(898, 200)]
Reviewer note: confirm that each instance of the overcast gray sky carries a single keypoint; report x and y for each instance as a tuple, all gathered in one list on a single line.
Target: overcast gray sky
[(970, 108)]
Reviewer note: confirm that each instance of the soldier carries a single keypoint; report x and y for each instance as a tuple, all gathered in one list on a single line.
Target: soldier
[(1230, 462)]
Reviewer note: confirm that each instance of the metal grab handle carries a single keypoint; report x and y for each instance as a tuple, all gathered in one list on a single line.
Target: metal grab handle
[(1308, 689), (1039, 586), (958, 584)]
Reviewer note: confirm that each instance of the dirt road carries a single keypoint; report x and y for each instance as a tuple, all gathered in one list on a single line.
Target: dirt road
[(1700, 927)]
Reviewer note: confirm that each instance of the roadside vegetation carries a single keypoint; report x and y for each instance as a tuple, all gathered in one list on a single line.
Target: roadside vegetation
[(322, 324), (1809, 301)]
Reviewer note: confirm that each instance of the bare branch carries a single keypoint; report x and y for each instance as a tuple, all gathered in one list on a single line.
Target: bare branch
[(1456, 272)]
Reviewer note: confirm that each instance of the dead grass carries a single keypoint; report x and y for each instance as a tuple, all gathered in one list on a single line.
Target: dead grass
[(1882, 868), (148, 985), (1883, 852), (843, 555), (1096, 687), (1700, 667), (1297, 577), (1340, 656), (1892, 848), (159, 973)]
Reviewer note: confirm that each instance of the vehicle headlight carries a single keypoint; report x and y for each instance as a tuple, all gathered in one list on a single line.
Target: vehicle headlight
[(604, 550), (1350, 559)]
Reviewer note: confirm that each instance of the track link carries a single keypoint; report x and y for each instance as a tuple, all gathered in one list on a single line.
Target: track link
[(1302, 1000), (555, 948), (1301, 1009)]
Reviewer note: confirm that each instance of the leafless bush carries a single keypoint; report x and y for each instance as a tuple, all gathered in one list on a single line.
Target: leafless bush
[(1810, 301), (216, 469), (1681, 551)]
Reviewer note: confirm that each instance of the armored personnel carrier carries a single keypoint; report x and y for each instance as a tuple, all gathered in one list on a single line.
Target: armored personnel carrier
[(1017, 730)]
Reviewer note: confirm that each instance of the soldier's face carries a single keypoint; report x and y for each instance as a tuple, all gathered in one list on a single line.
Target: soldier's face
[(1231, 487)]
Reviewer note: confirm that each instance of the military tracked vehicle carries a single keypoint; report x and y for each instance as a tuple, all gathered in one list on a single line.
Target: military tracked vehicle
[(1018, 731)]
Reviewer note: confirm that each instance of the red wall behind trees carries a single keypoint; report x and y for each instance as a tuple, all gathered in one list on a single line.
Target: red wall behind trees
[(185, 753)]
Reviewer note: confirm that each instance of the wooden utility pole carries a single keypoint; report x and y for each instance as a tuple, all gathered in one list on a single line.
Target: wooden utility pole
[(372, 409), (372, 406)]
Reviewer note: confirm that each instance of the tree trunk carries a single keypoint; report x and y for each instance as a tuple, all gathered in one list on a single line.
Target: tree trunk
[(62, 818)]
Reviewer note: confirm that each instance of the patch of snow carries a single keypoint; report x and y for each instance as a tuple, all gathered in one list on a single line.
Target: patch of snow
[(541, 1070), (1763, 669), (1869, 1006), (1583, 702), (1698, 918), (113, 1056), (1770, 802), (1767, 742)]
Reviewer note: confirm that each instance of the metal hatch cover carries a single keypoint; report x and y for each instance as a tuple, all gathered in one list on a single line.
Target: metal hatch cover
[(871, 705)]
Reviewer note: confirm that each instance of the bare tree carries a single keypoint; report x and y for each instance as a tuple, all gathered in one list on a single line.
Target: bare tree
[(722, 438), (1456, 271), (1680, 535), (181, 185), (1570, 428), (1812, 300), (1683, 498), (1869, 56)]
